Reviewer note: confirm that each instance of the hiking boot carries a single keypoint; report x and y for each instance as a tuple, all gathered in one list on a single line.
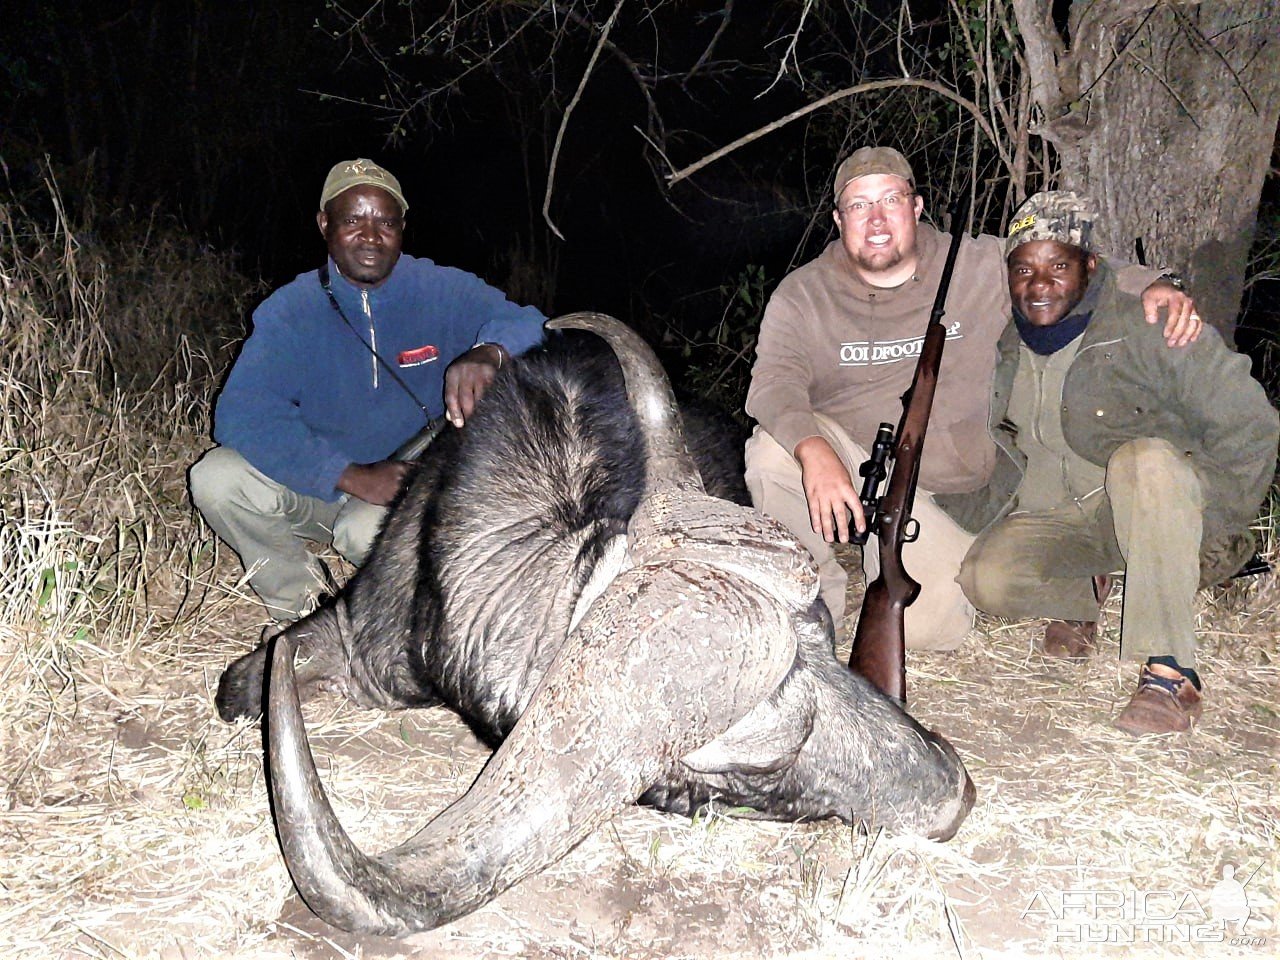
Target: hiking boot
[(1076, 639), (1166, 702)]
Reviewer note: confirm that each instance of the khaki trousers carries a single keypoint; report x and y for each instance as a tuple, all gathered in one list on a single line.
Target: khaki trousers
[(1147, 522), (941, 614), (265, 523)]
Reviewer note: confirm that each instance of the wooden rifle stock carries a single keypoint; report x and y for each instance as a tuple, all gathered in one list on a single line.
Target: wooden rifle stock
[(879, 643)]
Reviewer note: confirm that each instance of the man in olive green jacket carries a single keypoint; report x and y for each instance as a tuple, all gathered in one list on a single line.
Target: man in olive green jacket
[(1122, 455)]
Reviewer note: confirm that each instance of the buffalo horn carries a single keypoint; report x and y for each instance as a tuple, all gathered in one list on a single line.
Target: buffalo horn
[(668, 462), (556, 777)]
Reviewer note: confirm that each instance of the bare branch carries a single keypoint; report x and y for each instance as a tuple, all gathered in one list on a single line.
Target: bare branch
[(963, 26), (630, 65), (790, 52), (1018, 120), (725, 16), (943, 91), (986, 68), (904, 14), (1000, 117), (481, 62), (1045, 51), (568, 111), (657, 147)]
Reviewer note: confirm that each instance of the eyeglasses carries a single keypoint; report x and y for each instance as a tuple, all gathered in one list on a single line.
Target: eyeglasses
[(860, 209)]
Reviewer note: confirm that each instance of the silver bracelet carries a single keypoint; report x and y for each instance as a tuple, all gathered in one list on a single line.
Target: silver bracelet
[(496, 346)]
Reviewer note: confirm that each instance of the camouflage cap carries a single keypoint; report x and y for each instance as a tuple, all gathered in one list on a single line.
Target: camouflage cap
[(356, 173), (1061, 215), (866, 161)]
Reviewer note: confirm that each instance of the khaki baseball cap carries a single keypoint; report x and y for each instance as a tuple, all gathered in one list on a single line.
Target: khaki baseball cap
[(357, 173), (1061, 215), (866, 161)]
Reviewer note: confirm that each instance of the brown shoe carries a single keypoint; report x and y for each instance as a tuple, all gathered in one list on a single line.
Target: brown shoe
[(1166, 702), (1076, 639)]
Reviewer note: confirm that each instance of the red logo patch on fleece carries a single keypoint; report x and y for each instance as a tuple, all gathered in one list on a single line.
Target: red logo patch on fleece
[(417, 356)]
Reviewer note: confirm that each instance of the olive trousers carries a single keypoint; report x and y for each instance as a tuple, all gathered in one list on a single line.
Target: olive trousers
[(941, 614), (1147, 521), (266, 524)]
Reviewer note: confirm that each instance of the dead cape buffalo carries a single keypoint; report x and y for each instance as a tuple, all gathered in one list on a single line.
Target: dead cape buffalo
[(557, 574)]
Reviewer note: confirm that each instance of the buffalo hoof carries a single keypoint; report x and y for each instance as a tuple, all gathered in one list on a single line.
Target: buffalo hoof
[(241, 690)]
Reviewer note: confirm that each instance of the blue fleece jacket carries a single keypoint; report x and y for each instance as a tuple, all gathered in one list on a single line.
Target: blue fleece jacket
[(305, 398)]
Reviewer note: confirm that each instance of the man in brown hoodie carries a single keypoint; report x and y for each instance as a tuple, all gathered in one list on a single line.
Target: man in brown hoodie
[(838, 347)]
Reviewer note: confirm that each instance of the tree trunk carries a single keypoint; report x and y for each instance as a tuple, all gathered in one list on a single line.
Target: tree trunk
[(1166, 115)]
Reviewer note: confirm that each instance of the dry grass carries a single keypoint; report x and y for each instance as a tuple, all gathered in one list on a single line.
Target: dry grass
[(134, 824), (1067, 803)]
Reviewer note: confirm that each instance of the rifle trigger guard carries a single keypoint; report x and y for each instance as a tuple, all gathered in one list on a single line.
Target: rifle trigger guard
[(911, 532)]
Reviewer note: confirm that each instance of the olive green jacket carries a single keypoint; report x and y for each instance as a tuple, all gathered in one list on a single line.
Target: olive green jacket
[(1126, 383)]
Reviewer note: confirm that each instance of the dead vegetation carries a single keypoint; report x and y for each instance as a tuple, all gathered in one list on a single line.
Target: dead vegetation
[(134, 824)]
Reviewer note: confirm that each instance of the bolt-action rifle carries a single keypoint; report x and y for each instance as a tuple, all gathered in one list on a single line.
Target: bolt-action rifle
[(879, 645)]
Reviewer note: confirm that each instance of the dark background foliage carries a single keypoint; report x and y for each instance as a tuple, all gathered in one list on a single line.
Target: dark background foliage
[(222, 119)]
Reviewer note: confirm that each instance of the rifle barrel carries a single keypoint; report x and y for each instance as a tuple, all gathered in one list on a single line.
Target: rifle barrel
[(879, 644)]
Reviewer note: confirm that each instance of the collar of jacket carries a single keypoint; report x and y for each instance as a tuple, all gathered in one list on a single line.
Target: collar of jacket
[(1049, 340), (1098, 302), (348, 292)]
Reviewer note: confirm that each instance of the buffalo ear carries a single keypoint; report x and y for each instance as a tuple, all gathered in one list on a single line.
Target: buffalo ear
[(766, 740)]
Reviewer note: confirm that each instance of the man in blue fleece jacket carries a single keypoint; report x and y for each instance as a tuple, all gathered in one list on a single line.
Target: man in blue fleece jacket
[(343, 365)]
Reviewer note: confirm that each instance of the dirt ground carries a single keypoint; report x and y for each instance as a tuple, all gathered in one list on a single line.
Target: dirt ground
[(136, 824)]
